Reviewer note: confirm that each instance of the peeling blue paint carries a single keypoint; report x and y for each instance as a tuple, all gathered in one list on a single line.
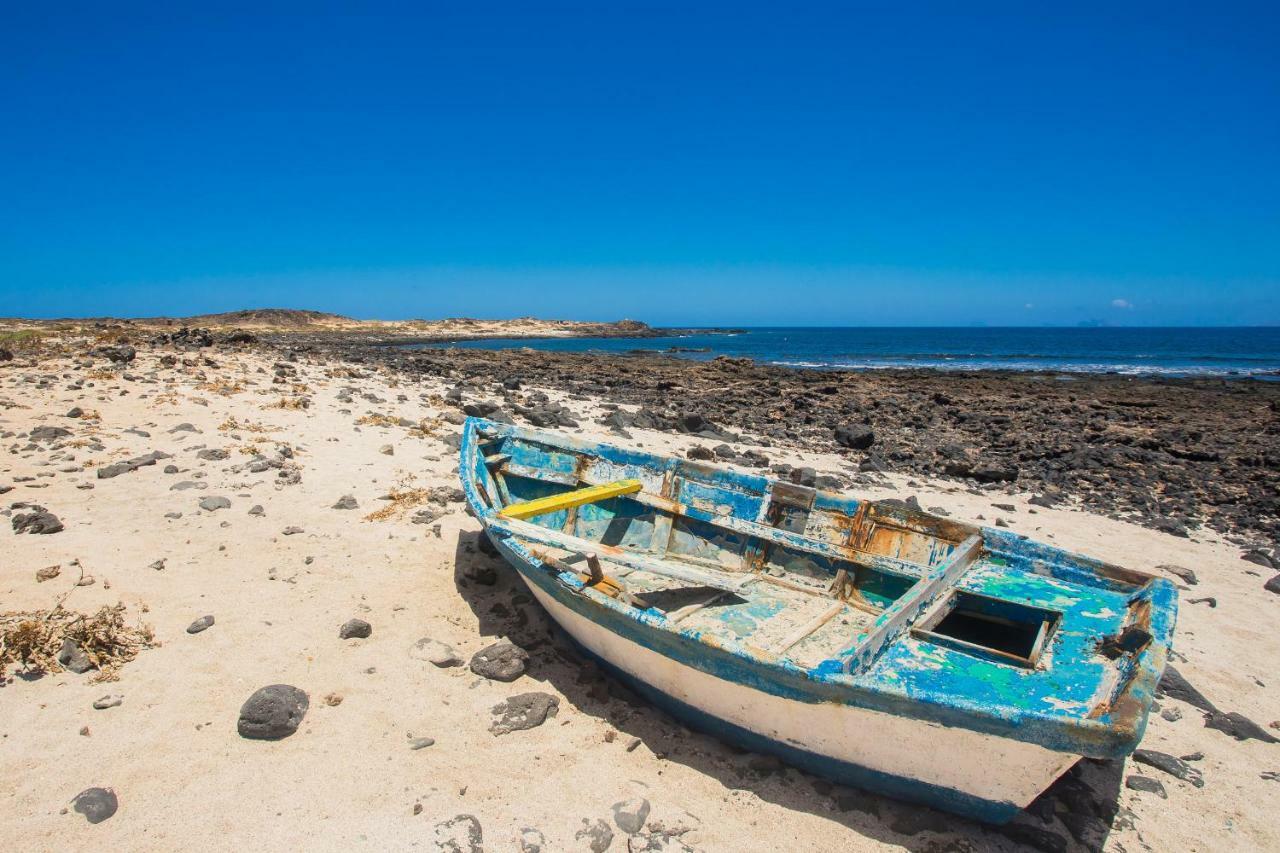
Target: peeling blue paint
[(1072, 699)]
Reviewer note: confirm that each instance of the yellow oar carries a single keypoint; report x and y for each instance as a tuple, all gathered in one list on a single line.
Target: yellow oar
[(589, 495)]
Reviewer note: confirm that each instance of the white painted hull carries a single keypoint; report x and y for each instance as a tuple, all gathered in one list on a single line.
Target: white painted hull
[(992, 769)]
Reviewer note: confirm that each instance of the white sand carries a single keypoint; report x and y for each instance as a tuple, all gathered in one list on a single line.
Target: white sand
[(347, 779)]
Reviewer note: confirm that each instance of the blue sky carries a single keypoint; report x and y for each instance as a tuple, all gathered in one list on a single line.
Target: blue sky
[(691, 163)]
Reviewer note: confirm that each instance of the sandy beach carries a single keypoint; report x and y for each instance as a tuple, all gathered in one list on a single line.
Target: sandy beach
[(285, 490)]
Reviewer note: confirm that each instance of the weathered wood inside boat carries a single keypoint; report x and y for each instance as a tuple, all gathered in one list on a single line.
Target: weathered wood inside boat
[(916, 656)]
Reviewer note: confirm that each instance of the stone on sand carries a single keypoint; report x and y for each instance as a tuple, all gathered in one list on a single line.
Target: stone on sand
[(438, 653), (501, 661), (461, 834), (530, 840), (272, 712), (1147, 785), (523, 711), (355, 629), (96, 804), (1175, 767), (72, 657), (596, 834), (41, 522), (1185, 575)]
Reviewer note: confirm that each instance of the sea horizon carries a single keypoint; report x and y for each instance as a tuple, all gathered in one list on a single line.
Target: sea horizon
[(1175, 351)]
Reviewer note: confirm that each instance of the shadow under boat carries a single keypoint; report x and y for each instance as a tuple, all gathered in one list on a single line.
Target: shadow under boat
[(1076, 813)]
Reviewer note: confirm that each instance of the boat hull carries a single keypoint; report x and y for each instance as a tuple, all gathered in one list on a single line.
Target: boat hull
[(983, 776)]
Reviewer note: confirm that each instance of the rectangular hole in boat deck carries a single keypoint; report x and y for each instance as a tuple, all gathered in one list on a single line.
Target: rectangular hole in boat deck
[(1008, 631)]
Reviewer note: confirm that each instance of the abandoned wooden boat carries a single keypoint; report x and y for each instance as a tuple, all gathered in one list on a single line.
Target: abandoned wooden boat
[(882, 647)]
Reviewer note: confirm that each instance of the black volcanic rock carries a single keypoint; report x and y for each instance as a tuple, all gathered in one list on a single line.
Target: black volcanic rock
[(272, 712), (96, 804), (501, 661), (855, 436)]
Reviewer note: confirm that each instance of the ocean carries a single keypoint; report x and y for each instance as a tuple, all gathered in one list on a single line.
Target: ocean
[(1230, 352)]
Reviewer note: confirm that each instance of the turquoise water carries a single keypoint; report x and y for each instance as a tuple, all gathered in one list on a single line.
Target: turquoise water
[(1251, 351)]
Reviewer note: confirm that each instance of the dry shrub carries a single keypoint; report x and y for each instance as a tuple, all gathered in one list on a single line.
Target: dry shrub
[(231, 424), (422, 429), (399, 502), (224, 389), (378, 419), (32, 639), (429, 427)]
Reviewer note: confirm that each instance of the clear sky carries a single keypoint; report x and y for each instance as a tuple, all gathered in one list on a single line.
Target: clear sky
[(683, 163)]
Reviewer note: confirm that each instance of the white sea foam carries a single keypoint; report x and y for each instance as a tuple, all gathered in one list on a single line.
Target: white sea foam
[(948, 363)]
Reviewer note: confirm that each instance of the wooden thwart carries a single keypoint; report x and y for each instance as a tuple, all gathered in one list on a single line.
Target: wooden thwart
[(589, 495)]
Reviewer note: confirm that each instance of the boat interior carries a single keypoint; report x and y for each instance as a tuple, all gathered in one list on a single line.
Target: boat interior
[(791, 573)]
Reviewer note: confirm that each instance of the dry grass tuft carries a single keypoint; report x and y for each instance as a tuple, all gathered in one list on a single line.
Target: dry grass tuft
[(399, 502), (33, 639), (430, 427), (231, 424), (224, 389), (424, 428), (378, 419)]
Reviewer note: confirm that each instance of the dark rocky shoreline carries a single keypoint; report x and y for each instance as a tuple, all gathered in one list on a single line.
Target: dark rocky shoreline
[(1173, 454)]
